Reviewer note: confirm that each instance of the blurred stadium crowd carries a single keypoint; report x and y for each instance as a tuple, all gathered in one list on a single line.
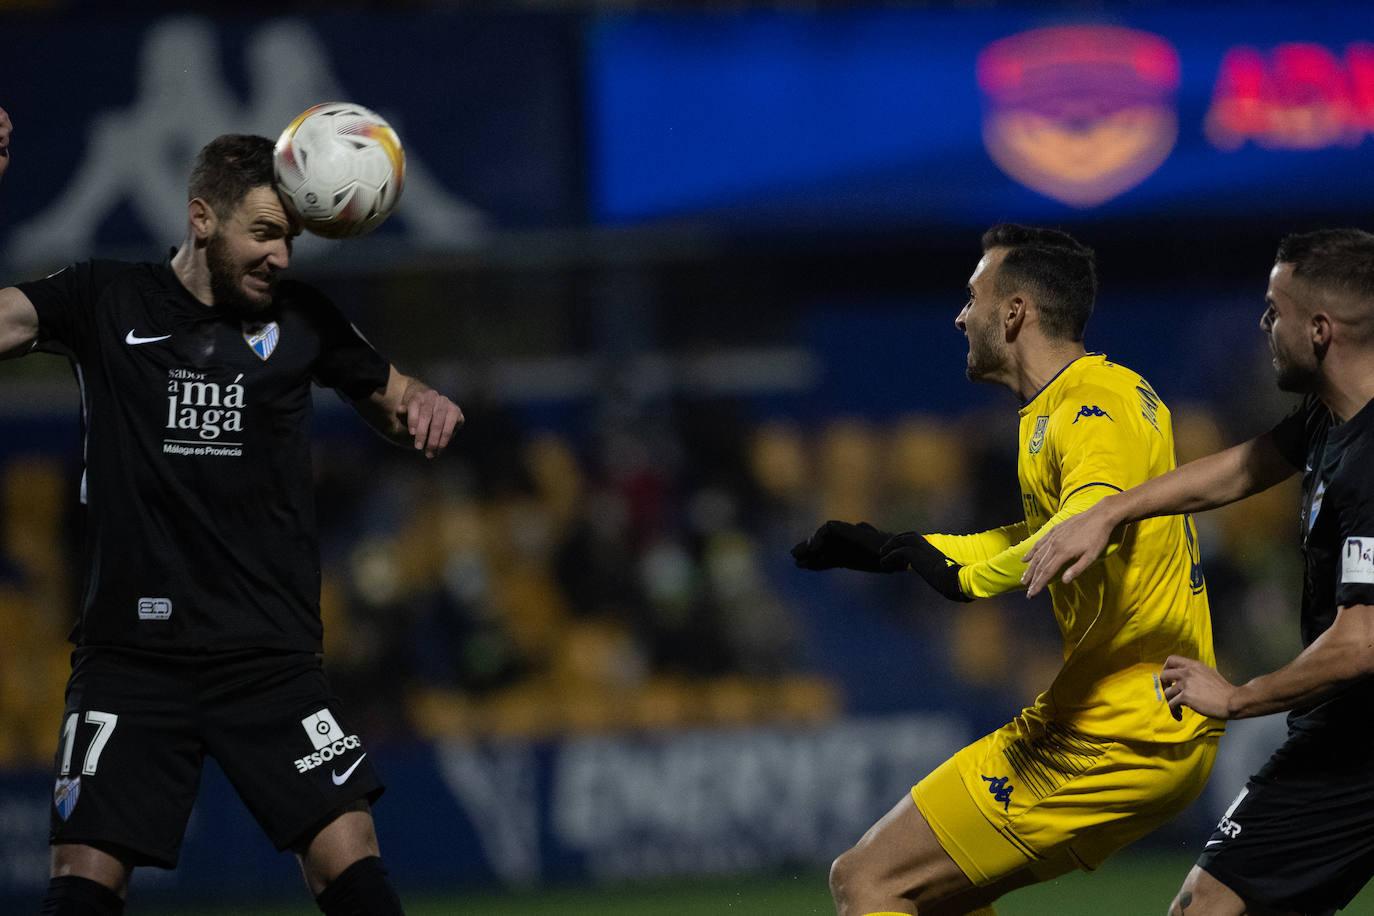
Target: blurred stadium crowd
[(635, 575)]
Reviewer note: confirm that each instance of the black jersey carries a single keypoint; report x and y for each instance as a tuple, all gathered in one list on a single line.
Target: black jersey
[(200, 513), (1337, 546)]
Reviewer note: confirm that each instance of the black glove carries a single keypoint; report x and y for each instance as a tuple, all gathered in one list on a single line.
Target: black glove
[(842, 544), (912, 550)]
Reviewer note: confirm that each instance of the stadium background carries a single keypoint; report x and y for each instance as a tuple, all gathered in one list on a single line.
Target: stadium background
[(691, 270)]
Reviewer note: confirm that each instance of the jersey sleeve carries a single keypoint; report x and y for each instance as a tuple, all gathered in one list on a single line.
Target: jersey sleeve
[(65, 303), (1002, 571), (1096, 438), (967, 549), (1099, 441), (347, 362), (1355, 505), (1291, 435)]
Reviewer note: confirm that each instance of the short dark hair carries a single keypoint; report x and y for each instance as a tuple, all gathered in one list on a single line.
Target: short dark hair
[(1059, 271), (1340, 259), (227, 168)]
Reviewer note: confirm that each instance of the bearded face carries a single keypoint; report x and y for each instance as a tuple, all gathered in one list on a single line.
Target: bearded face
[(1296, 364), (979, 320), (229, 276), (986, 347), (246, 252), (1292, 372)]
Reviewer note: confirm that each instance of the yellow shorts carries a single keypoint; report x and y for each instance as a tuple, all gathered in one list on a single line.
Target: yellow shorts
[(1039, 795)]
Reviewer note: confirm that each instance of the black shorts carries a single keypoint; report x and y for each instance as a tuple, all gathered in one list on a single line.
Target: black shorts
[(138, 725), (1301, 834)]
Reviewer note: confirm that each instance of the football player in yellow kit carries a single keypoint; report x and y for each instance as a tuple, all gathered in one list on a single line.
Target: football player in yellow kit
[(1097, 760)]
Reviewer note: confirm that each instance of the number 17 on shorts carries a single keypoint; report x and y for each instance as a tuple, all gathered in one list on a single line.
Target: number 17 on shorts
[(67, 790)]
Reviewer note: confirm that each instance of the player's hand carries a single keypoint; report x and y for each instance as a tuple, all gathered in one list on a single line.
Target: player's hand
[(1200, 687), (1075, 543), (911, 550), (430, 418), (5, 128), (842, 544)]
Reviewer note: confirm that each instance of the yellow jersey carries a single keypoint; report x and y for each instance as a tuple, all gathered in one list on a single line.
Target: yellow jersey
[(1097, 428)]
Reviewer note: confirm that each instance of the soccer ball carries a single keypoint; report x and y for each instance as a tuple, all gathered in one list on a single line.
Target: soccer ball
[(339, 169)]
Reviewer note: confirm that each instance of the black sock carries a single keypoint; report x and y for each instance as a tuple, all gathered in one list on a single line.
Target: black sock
[(361, 890), (73, 896)]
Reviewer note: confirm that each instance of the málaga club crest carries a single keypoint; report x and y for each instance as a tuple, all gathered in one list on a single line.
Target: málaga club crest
[(261, 338)]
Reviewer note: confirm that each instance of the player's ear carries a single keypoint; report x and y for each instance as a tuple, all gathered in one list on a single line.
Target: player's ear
[(1014, 315), (1320, 328), (201, 217)]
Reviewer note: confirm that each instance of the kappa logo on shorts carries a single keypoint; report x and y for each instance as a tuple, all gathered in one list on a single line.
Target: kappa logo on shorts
[(1000, 790), (64, 795), (329, 740)]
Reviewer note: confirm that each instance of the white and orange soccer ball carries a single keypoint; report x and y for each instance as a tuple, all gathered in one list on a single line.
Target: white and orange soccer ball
[(339, 169)]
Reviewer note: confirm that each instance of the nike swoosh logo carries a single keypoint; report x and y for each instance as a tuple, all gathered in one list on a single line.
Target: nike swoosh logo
[(1211, 842), (133, 339), (340, 780)]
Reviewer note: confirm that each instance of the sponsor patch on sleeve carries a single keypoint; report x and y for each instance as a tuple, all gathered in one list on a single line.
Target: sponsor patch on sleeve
[(1357, 561)]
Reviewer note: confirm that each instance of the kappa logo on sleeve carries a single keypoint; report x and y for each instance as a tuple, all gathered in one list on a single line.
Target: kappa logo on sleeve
[(1357, 561), (1093, 411)]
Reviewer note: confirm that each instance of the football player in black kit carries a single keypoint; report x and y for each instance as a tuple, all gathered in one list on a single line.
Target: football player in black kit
[(200, 627), (1300, 837)]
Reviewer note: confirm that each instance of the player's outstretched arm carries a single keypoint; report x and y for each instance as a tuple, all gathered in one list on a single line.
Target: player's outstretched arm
[(18, 318), (18, 323), (5, 128), (409, 412), (912, 551), (1216, 480), (1341, 655)]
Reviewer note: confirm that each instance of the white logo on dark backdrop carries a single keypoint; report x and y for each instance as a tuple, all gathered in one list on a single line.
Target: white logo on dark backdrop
[(142, 154)]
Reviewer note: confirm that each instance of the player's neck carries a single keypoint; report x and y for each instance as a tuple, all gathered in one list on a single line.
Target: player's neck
[(1040, 364), (190, 268), (1346, 389)]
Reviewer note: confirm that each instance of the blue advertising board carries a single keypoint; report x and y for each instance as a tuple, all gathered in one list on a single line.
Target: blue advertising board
[(519, 813), (602, 808), (966, 116)]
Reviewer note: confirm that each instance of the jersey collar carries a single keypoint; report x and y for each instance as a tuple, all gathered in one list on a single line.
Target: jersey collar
[(1055, 377)]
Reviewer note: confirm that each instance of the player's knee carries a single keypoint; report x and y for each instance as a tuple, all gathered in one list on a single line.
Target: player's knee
[(841, 874), (69, 895), (847, 880), (361, 889), (1202, 893), (1179, 905)]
